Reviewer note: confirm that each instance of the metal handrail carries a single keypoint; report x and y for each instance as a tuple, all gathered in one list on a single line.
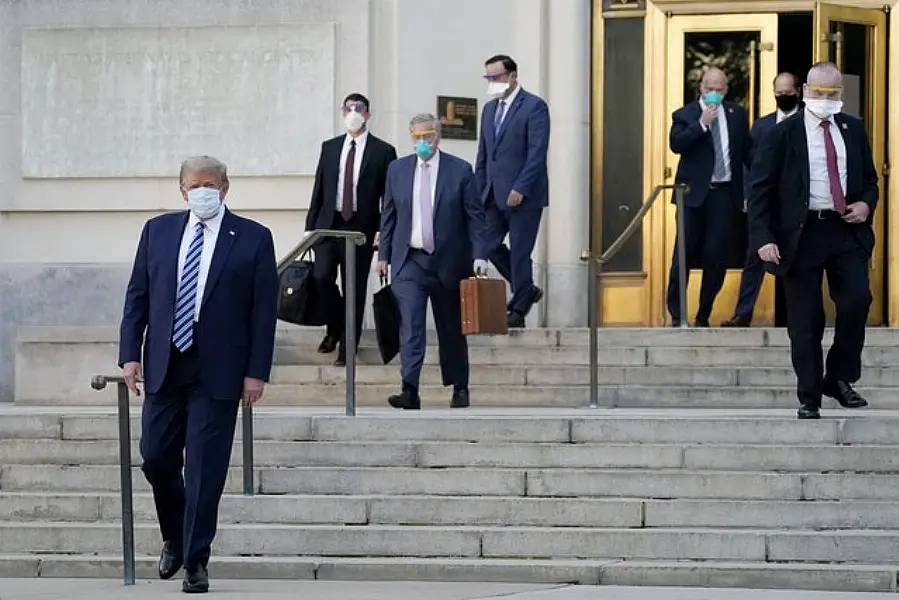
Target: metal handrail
[(596, 264)]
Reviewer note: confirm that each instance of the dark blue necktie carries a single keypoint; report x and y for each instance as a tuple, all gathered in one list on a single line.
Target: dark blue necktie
[(186, 306), (500, 111)]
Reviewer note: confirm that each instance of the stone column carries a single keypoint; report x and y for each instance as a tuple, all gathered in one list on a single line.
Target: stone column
[(567, 219)]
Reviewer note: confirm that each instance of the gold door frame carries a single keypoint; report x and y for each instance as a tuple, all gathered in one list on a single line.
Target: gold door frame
[(677, 28)]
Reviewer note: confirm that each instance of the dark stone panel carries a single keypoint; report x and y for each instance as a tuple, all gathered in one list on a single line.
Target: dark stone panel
[(622, 139)]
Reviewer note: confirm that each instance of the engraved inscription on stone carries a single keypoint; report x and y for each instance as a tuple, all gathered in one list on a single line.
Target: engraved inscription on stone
[(134, 102)]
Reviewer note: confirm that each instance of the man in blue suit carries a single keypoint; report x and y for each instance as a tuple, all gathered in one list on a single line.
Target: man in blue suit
[(433, 234), (204, 292), (786, 95), (512, 179), (712, 138)]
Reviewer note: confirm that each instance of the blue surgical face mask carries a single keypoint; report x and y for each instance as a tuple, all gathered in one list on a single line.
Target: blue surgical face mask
[(204, 202), (423, 149), (712, 98)]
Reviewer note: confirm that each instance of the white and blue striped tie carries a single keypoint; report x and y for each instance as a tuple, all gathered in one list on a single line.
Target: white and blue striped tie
[(186, 306)]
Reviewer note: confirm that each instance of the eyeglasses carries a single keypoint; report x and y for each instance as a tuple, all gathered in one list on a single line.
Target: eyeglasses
[(490, 77), (423, 134), (357, 106)]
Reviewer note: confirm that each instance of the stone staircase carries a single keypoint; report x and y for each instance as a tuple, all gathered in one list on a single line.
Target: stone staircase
[(625, 497), (639, 368)]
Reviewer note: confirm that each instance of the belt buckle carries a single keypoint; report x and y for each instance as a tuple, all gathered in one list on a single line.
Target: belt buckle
[(820, 215)]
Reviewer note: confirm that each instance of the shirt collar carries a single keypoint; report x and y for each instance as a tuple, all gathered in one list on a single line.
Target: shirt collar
[(434, 162), (213, 224), (511, 98), (781, 115), (360, 140), (813, 121)]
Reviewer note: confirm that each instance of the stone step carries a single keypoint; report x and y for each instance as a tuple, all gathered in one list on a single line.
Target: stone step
[(541, 483), (848, 546), (572, 375), (714, 574), (619, 426), (465, 510), (440, 455), (523, 396)]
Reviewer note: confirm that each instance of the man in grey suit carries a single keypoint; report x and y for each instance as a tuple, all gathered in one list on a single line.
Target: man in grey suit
[(433, 234)]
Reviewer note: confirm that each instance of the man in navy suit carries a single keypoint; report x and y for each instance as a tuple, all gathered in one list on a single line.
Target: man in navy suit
[(512, 179), (786, 96), (813, 191), (204, 292), (712, 138), (433, 234)]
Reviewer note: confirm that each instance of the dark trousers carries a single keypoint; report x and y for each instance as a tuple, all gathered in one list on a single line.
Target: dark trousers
[(826, 246), (181, 417), (514, 262), (330, 253), (708, 228), (750, 284), (414, 285)]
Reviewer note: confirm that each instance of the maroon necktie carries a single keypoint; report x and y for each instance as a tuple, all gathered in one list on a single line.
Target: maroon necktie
[(833, 170), (346, 210)]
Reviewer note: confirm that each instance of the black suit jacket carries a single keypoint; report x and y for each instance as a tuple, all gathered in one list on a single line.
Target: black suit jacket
[(779, 185), (369, 189), (697, 151)]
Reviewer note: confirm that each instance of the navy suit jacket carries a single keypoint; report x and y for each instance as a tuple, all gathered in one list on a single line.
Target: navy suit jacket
[(779, 186), (697, 151), (459, 218), (236, 330), (516, 158), (761, 126)]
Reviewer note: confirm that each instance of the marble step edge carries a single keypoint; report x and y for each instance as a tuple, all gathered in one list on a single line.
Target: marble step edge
[(716, 574)]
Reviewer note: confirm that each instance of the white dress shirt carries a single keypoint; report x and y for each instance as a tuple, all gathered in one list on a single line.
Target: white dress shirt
[(415, 240), (725, 140), (210, 236), (781, 115), (508, 102), (357, 164), (819, 196)]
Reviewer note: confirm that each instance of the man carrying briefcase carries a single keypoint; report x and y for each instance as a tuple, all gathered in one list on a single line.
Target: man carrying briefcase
[(432, 228)]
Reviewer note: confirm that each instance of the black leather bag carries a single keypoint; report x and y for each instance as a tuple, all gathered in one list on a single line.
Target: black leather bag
[(299, 300), (387, 321)]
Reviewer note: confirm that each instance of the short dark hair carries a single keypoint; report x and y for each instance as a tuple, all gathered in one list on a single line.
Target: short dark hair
[(508, 63), (357, 97), (792, 76)]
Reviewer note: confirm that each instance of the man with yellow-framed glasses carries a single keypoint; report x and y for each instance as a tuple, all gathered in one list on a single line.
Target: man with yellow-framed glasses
[(813, 190)]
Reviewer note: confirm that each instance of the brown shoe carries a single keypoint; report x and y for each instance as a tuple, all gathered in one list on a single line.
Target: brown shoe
[(737, 321)]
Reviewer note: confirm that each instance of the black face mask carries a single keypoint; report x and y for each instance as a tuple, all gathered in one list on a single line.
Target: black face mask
[(787, 102)]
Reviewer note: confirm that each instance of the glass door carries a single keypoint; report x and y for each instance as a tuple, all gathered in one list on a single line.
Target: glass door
[(855, 40), (744, 47)]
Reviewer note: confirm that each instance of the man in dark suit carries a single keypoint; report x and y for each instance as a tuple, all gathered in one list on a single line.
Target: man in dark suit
[(433, 233), (813, 193), (712, 138), (349, 186), (512, 179), (204, 291), (786, 96)]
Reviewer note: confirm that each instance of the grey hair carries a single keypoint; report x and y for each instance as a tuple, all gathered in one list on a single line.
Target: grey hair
[(425, 118), (204, 164), (825, 68)]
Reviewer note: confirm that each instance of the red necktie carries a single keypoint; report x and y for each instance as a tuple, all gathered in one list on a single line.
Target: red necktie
[(346, 210), (833, 170)]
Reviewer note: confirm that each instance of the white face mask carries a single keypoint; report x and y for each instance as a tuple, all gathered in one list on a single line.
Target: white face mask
[(823, 108), (204, 202), (353, 121), (496, 89)]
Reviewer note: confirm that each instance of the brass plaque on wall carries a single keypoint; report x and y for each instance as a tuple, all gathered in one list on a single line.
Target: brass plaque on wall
[(458, 117)]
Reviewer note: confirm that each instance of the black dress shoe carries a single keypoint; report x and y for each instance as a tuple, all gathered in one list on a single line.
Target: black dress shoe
[(408, 399), (169, 561), (196, 580), (809, 412), (843, 393), (515, 320), (737, 321), (340, 362), (329, 344), (460, 398), (701, 322)]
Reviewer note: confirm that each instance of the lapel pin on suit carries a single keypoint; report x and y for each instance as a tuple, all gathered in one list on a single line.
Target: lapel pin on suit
[(231, 232), (845, 127), (730, 110)]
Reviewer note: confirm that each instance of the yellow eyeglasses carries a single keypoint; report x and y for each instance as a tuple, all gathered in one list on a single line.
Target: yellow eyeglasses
[(420, 134)]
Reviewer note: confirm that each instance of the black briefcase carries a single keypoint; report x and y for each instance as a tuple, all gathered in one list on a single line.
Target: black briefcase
[(299, 299), (387, 321)]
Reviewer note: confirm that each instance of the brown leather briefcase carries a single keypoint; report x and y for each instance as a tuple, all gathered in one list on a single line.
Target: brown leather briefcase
[(483, 306)]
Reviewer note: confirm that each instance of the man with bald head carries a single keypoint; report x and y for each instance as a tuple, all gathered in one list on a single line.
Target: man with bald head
[(786, 96), (813, 190), (711, 136)]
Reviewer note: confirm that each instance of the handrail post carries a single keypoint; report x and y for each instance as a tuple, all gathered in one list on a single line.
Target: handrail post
[(594, 268), (99, 383), (679, 190), (349, 295), (246, 442)]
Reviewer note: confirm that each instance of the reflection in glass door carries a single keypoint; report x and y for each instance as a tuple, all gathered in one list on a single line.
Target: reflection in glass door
[(743, 47)]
